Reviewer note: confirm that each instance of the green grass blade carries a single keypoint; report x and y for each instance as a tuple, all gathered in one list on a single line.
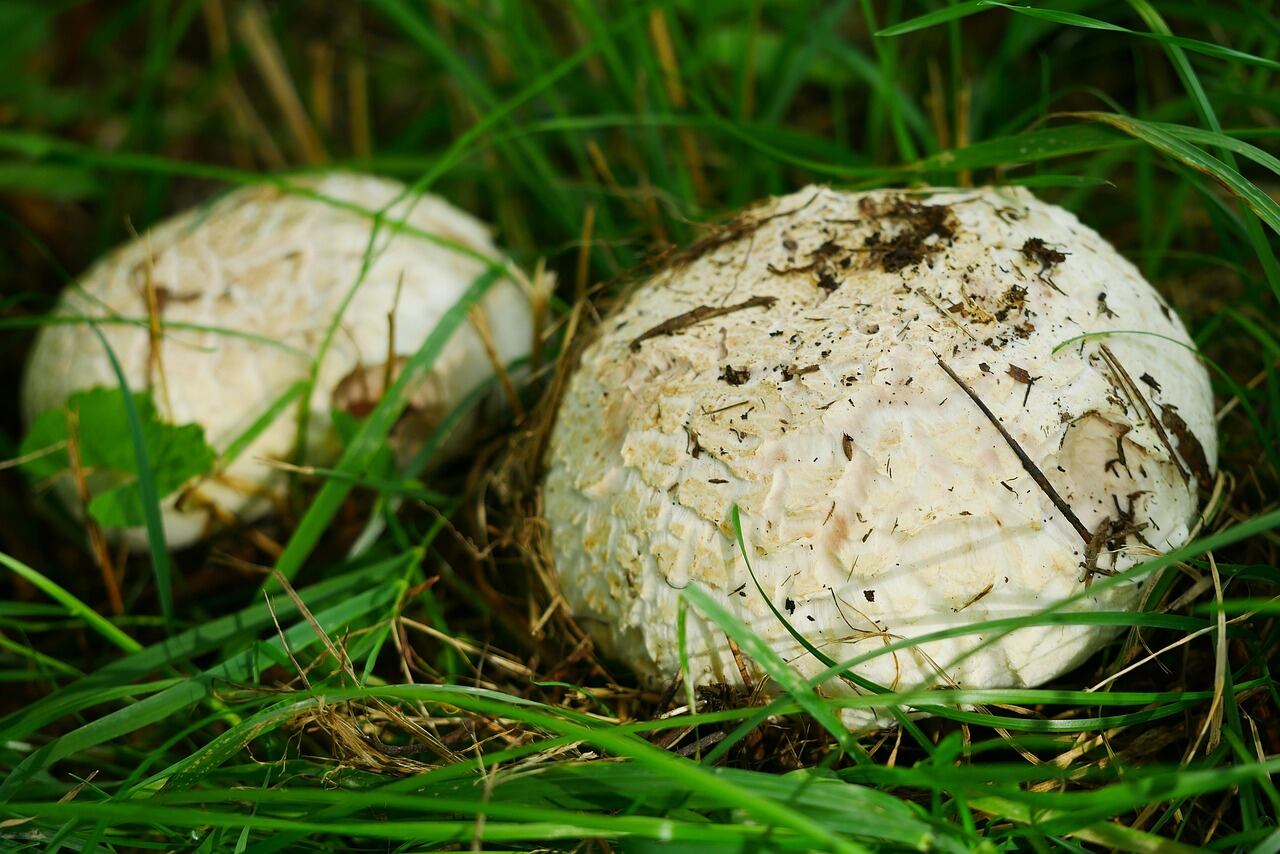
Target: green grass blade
[(365, 444), (174, 700), (96, 688), (1072, 19), (156, 542), (1262, 205), (952, 12), (166, 326), (779, 671), (100, 624)]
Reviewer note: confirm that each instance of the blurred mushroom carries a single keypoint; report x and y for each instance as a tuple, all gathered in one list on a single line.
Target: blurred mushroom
[(274, 268), (876, 381)]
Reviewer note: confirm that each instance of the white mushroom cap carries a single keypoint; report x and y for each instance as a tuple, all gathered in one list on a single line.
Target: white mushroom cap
[(279, 264), (877, 500)]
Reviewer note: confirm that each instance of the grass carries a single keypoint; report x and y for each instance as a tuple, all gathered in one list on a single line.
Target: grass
[(376, 672)]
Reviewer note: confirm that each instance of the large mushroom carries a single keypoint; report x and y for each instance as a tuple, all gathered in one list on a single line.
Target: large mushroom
[(274, 267), (910, 397)]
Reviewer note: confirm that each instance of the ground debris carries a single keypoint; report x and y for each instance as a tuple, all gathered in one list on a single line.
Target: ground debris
[(1023, 376), (1035, 249), (911, 244), (1113, 534), (735, 376), (1135, 393), (1027, 464), (672, 325), (735, 230), (1189, 447)]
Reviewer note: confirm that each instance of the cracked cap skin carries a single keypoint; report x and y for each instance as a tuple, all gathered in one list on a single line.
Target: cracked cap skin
[(877, 501), (260, 261)]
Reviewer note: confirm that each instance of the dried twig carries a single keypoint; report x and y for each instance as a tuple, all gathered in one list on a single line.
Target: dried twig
[(923, 294), (97, 540), (697, 315), (254, 28), (742, 665), (702, 744), (1027, 464), (735, 230), (1136, 394)]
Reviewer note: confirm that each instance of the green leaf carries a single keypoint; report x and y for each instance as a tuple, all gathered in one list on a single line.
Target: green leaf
[(177, 452)]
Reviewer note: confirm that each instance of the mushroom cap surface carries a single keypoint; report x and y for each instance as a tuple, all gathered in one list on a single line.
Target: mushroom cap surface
[(276, 265), (792, 364)]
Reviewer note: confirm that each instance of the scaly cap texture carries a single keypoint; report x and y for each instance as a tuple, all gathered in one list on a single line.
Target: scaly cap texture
[(795, 364)]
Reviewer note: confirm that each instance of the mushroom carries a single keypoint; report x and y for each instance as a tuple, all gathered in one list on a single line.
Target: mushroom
[(908, 397), (266, 263)]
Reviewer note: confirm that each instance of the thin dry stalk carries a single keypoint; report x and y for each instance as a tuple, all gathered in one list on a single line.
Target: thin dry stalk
[(97, 541), (1027, 464), (480, 322), (541, 290), (666, 50), (32, 456), (358, 108), (320, 93), (1212, 727), (254, 28), (1131, 388), (248, 125)]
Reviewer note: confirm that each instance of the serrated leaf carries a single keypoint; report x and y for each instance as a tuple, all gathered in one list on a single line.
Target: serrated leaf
[(177, 452)]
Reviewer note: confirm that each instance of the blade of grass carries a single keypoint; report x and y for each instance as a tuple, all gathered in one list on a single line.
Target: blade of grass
[(1072, 19), (96, 688), (680, 771), (1265, 207), (779, 671), (932, 19), (174, 700), (95, 621), (373, 432), (1191, 82)]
